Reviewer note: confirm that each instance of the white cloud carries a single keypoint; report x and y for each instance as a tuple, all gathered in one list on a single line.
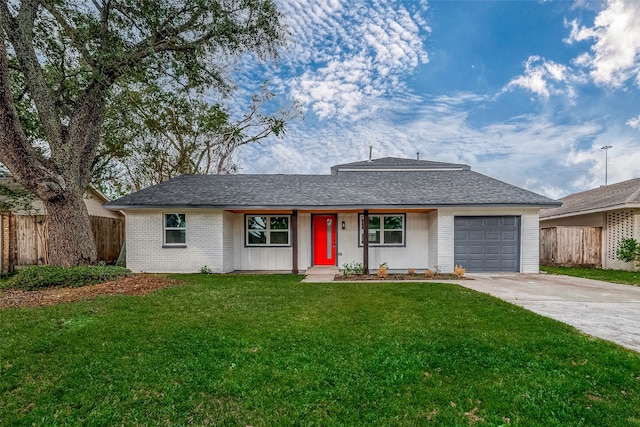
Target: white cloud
[(530, 151), (545, 78), (634, 122), (350, 51), (615, 56)]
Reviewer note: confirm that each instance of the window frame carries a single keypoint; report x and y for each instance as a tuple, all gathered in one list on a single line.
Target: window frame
[(267, 230), (382, 230), (165, 244)]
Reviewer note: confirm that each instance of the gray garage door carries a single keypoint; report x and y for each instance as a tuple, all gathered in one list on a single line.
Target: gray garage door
[(487, 243)]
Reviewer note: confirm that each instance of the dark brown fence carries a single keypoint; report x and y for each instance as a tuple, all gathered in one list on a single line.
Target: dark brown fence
[(571, 246), (108, 233), (24, 240)]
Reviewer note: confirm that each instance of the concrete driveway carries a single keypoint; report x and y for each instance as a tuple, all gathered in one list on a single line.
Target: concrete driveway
[(601, 309)]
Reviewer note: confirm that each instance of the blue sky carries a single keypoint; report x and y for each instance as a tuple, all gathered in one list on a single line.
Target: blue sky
[(524, 91)]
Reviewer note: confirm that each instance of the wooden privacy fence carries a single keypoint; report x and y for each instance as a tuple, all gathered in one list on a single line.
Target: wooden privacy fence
[(24, 240), (571, 246)]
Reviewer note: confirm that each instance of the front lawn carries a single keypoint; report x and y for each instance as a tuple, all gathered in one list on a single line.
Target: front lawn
[(270, 351), (612, 276)]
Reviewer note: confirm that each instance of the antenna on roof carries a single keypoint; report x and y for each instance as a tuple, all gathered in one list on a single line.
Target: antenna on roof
[(370, 152), (418, 155)]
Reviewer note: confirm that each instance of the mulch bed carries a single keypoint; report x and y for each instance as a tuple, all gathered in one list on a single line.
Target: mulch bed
[(393, 277), (138, 284)]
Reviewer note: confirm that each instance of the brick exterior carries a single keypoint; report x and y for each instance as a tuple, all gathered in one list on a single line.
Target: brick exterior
[(216, 239), (204, 242)]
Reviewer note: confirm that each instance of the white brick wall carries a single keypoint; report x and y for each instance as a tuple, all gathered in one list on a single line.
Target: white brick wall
[(145, 251), (432, 233), (444, 259), (228, 263), (530, 242)]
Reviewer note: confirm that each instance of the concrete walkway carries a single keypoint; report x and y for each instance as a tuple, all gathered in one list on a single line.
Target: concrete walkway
[(319, 274), (605, 310)]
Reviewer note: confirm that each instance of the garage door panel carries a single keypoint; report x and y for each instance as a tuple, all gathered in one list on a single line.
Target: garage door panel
[(510, 235), (493, 235), (476, 236), (474, 222), (475, 265), (508, 250), (476, 250), (490, 243), (492, 250), (491, 221), (510, 220)]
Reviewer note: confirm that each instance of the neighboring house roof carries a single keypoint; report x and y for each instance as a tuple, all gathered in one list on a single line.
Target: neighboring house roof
[(93, 200), (367, 189), (622, 195)]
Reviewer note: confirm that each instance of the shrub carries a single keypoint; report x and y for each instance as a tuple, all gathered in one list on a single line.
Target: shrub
[(411, 271), (629, 250), (459, 271), (41, 277), (382, 270), (428, 273), (352, 268)]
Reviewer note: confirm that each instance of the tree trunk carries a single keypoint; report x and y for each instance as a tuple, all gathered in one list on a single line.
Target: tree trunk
[(70, 239)]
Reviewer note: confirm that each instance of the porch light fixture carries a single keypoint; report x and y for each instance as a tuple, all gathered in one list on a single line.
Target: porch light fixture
[(344, 225)]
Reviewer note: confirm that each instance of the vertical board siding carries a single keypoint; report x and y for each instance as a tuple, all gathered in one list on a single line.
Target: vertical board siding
[(571, 246)]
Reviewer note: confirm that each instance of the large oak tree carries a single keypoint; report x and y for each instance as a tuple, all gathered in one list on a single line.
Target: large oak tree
[(150, 135), (67, 56)]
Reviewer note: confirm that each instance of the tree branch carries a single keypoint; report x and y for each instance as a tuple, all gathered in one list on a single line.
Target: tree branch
[(15, 150), (20, 34), (71, 32)]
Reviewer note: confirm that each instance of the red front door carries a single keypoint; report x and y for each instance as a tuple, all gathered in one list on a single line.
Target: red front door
[(324, 240)]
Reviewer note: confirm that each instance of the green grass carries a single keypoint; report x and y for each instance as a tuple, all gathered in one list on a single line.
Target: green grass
[(613, 276), (270, 351)]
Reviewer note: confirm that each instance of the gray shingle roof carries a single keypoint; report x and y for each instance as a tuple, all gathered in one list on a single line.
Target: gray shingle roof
[(395, 163), (614, 196), (349, 190)]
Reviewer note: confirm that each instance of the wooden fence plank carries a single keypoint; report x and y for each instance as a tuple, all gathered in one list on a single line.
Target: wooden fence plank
[(571, 246)]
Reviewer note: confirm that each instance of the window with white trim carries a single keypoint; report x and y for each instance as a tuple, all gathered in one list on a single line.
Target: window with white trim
[(384, 230), (175, 229), (267, 230)]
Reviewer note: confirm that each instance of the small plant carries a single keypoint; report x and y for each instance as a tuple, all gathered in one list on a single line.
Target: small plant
[(459, 271), (352, 268), (205, 270), (411, 271), (382, 270), (428, 273), (629, 250)]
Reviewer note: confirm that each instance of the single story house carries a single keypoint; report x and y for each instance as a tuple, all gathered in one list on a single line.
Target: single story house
[(23, 237), (611, 211), (408, 213)]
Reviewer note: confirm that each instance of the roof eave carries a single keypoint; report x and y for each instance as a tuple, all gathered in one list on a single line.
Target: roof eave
[(592, 211), (332, 207)]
